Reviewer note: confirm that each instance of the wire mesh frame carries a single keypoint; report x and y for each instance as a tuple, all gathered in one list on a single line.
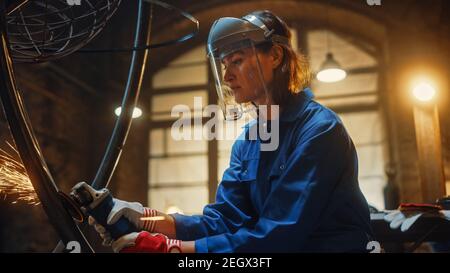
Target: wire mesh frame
[(42, 30)]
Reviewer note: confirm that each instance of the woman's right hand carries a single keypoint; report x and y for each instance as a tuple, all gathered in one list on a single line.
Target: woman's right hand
[(134, 212), (144, 219)]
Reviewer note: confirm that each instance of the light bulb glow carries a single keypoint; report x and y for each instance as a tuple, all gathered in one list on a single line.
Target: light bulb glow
[(137, 112), (424, 92), (331, 75)]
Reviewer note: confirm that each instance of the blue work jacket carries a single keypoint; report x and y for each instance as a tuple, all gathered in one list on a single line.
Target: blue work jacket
[(302, 197)]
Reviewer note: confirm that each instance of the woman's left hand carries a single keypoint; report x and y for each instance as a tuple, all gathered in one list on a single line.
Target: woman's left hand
[(146, 242)]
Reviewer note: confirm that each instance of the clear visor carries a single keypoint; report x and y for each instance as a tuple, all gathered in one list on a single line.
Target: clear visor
[(239, 81)]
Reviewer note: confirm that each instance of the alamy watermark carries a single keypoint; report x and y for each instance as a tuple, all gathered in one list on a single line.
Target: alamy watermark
[(73, 2), (186, 127), (73, 247), (373, 2), (373, 247)]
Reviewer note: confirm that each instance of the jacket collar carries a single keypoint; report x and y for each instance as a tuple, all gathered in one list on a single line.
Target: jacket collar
[(294, 110), (297, 107)]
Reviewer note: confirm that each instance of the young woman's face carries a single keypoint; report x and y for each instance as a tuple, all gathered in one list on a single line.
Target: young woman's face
[(242, 75)]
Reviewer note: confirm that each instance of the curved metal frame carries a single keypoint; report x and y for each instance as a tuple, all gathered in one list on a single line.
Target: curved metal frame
[(29, 150), (156, 45), (28, 146), (129, 101)]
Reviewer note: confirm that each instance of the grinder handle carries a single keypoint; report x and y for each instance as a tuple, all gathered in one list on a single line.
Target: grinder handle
[(118, 229)]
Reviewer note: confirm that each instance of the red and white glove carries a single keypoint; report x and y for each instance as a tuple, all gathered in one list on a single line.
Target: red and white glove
[(133, 211), (146, 242), (408, 214)]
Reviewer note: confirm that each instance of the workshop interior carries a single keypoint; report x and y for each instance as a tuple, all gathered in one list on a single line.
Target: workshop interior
[(69, 68)]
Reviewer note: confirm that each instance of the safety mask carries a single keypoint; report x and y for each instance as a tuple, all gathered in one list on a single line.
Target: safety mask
[(236, 65)]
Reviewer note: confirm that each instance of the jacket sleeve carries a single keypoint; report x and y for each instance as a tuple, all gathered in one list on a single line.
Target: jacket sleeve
[(294, 205), (231, 210)]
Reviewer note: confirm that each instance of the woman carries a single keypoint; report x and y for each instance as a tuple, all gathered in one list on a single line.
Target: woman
[(302, 196)]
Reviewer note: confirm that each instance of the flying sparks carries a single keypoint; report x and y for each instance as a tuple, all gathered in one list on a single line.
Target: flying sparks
[(14, 181), (153, 218)]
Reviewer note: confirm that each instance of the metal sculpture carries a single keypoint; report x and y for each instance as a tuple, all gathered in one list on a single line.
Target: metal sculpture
[(42, 30)]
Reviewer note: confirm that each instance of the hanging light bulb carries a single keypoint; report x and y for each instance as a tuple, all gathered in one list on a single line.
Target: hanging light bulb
[(137, 112), (330, 70), (424, 92)]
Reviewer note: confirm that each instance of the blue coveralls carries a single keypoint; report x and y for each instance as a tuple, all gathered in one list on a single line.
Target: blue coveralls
[(303, 197)]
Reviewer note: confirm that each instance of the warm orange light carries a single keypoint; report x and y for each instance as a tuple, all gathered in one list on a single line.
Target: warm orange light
[(14, 180), (173, 209)]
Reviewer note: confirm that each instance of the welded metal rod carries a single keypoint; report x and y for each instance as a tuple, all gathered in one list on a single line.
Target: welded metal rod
[(29, 150), (130, 98), (14, 5)]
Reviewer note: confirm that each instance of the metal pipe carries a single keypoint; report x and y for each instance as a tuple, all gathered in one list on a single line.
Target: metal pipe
[(12, 6), (130, 98)]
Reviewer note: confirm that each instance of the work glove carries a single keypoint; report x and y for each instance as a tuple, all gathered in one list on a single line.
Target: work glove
[(133, 211), (408, 214), (104, 234), (146, 242)]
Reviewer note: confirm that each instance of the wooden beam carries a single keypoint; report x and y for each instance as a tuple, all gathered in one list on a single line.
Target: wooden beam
[(213, 150), (341, 109), (429, 150), (363, 70)]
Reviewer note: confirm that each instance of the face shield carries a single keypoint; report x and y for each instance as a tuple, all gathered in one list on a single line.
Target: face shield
[(237, 68)]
